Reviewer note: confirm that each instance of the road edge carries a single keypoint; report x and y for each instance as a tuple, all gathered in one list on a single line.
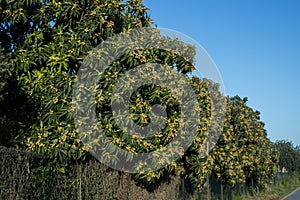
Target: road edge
[(290, 194)]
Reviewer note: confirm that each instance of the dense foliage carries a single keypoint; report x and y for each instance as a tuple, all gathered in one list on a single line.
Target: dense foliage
[(289, 155), (43, 45), (48, 40), (243, 151)]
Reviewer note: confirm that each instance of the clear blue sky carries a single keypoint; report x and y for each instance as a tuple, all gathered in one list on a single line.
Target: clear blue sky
[(256, 46)]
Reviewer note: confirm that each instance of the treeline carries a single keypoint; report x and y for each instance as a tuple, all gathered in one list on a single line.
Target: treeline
[(43, 44), (289, 155)]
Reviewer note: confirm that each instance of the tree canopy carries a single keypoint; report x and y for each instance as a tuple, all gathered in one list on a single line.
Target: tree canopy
[(43, 44), (289, 155)]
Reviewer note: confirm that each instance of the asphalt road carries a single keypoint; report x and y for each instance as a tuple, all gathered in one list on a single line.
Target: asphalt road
[(293, 196)]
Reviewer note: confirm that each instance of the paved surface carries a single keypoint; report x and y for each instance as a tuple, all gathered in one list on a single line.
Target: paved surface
[(293, 196)]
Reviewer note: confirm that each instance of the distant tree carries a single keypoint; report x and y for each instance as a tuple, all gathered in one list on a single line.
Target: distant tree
[(289, 155)]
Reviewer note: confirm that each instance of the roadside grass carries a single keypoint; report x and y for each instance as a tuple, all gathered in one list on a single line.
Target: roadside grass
[(276, 192)]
